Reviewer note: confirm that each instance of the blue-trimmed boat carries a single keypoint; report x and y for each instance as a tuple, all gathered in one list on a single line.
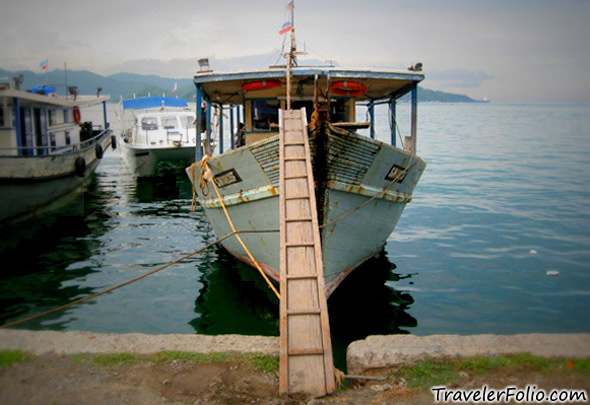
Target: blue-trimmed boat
[(361, 184), (157, 134), (47, 148)]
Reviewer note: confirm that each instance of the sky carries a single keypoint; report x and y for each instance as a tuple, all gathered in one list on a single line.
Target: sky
[(503, 50)]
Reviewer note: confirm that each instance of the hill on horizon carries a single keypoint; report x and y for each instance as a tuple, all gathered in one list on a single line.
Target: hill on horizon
[(127, 85)]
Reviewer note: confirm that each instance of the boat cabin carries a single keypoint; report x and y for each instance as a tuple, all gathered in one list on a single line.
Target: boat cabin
[(258, 96), (33, 124)]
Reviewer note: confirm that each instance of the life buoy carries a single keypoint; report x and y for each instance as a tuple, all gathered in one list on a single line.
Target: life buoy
[(77, 116), (348, 88), (260, 85), (80, 167), (98, 151)]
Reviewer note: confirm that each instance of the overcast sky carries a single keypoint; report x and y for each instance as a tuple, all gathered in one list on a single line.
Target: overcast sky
[(505, 50)]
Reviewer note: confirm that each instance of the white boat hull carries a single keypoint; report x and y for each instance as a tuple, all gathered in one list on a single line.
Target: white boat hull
[(29, 183), (151, 161)]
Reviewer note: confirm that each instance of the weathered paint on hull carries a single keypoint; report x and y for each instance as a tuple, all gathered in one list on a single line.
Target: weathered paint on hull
[(253, 203), (42, 180), (148, 161)]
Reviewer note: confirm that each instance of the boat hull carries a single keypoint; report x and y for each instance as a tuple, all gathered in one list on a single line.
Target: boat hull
[(29, 184), (151, 161), (359, 202)]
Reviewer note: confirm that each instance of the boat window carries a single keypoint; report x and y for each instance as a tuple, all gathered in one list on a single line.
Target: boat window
[(340, 110), (68, 139), (52, 117), (265, 115), (1, 116), (149, 123), (169, 122), (66, 115), (187, 121)]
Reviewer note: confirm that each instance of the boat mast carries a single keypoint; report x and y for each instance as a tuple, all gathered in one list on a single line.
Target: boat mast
[(292, 54)]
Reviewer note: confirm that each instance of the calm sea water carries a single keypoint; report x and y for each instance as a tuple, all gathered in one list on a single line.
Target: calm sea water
[(505, 199)]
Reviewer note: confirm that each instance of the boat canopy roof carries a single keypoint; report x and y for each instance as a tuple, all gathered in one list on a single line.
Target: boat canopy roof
[(145, 103), (381, 84), (33, 99)]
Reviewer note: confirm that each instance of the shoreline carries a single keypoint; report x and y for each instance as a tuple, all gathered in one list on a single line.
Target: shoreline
[(374, 352)]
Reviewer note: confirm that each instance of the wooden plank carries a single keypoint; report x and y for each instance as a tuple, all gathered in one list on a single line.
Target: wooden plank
[(306, 364)]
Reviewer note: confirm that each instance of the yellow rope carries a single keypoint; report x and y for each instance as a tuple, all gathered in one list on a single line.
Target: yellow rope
[(205, 171)]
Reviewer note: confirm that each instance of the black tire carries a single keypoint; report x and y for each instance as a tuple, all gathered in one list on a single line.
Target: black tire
[(80, 167), (98, 151)]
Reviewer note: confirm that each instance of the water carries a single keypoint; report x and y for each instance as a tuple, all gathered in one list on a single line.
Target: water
[(505, 198)]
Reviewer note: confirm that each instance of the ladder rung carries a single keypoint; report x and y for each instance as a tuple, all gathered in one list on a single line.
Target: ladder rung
[(305, 351), (300, 244), (311, 311), (287, 159), (302, 176), (297, 198), (301, 276), (307, 219)]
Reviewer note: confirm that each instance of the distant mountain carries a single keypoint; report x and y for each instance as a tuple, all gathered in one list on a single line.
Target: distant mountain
[(126, 85)]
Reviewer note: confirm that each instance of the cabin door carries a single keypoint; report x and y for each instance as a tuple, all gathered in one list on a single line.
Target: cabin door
[(40, 117), (26, 135)]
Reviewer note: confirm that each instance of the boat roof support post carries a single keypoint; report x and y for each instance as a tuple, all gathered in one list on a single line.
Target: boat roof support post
[(104, 113), (16, 106), (414, 127), (208, 125), (198, 150), (372, 117), (231, 127), (392, 120), (220, 129)]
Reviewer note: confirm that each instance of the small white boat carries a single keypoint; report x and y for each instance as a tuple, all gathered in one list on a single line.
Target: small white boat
[(47, 150), (158, 134)]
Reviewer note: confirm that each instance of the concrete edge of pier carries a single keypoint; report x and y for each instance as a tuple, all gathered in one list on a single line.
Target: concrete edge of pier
[(374, 352)]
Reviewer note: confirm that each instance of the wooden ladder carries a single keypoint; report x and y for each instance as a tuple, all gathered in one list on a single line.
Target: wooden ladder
[(306, 364)]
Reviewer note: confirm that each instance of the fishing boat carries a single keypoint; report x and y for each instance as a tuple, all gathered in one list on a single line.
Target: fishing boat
[(362, 184), (157, 134), (47, 148)]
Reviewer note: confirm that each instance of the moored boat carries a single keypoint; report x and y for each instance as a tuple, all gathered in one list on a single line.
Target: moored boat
[(47, 150), (362, 184), (157, 134)]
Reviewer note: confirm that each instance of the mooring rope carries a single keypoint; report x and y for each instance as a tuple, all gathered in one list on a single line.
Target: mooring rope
[(81, 300)]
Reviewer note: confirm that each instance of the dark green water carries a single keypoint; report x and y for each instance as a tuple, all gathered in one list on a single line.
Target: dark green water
[(504, 200)]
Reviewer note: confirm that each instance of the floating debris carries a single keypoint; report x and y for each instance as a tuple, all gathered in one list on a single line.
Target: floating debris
[(533, 252), (552, 273)]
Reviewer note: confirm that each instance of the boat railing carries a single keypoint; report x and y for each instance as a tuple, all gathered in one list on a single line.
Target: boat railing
[(50, 150)]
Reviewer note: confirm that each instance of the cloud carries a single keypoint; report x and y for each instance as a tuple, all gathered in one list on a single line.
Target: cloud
[(458, 78)]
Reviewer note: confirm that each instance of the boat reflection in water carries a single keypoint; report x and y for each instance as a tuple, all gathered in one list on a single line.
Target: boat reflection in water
[(235, 300)]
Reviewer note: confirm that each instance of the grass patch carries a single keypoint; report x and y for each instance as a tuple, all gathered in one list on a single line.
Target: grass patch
[(444, 371), (258, 362), (10, 357)]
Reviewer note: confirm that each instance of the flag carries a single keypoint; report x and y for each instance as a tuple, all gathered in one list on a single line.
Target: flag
[(43, 64), (286, 27), (175, 87), (290, 5)]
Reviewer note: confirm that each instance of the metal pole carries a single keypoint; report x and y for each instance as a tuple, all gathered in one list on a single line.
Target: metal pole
[(198, 152), (220, 129), (104, 112), (208, 126), (372, 116), (19, 142), (231, 127), (414, 118), (393, 120)]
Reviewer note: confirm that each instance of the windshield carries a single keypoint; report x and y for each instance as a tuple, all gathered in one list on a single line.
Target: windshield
[(187, 121), (149, 123), (169, 122)]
